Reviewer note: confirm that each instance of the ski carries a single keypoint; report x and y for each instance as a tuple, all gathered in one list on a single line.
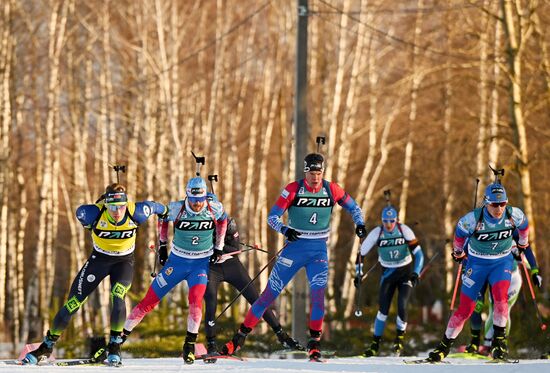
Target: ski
[(425, 361), (211, 358), (468, 355), (502, 361), (11, 362), (317, 360)]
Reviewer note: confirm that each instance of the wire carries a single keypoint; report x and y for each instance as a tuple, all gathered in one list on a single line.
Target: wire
[(387, 35)]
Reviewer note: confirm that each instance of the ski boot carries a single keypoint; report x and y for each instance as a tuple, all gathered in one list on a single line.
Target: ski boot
[(237, 342), (314, 349), (43, 352), (499, 348), (288, 342), (441, 351), (189, 352), (114, 358), (374, 347), (211, 349), (475, 342), (398, 345), (98, 349), (189, 348)]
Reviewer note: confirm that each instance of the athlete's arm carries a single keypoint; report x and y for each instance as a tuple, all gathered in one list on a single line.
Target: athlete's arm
[(370, 241), (347, 203), (147, 208), (87, 215), (414, 247), (274, 218)]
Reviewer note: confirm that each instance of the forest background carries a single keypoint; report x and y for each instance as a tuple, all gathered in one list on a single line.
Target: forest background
[(414, 96)]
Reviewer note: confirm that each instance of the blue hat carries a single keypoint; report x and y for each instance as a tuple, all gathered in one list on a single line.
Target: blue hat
[(196, 189), (389, 213), (211, 197), (495, 193)]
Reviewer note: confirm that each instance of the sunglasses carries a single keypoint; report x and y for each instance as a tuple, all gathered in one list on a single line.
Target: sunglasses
[(498, 204), (388, 221), (196, 199), (115, 207)]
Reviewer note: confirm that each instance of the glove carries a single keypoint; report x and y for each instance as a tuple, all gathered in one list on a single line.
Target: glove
[(414, 279), (216, 255), (163, 252), (458, 255), (361, 231), (291, 234), (536, 277), (516, 253)]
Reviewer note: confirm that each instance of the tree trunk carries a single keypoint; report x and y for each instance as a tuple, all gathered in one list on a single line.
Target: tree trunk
[(514, 54), (416, 80)]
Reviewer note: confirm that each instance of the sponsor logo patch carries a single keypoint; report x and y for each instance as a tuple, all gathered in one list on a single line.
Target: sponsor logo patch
[(90, 278), (169, 271), (161, 281), (285, 261)]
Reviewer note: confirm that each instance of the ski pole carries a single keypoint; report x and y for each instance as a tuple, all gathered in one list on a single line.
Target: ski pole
[(254, 247), (358, 312), (250, 282), (427, 266), (369, 271), (457, 281), (542, 324), (153, 249), (459, 271)]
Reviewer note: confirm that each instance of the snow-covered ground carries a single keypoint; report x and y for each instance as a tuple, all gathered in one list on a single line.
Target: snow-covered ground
[(336, 365)]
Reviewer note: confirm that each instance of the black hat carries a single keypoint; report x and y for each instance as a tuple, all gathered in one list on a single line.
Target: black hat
[(314, 162), (116, 198)]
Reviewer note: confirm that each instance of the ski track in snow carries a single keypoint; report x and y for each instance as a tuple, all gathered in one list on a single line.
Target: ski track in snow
[(336, 365)]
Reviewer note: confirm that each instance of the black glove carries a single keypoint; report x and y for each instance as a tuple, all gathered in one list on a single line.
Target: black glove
[(291, 234), (536, 277), (163, 252), (361, 231), (215, 256), (458, 256), (414, 279)]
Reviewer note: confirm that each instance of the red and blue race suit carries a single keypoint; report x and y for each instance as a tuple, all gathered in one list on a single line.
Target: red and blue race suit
[(309, 213)]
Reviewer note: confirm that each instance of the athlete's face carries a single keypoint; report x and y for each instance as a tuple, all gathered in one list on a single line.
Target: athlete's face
[(116, 211), (196, 205), (389, 224), (496, 209), (314, 178)]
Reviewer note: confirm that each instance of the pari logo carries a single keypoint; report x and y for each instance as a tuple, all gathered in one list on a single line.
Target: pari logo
[(392, 242), (312, 202), (110, 235), (186, 225), (494, 236)]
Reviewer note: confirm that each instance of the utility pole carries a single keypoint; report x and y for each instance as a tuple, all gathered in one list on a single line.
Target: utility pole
[(299, 293)]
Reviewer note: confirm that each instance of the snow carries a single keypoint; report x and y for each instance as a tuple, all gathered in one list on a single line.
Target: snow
[(335, 365)]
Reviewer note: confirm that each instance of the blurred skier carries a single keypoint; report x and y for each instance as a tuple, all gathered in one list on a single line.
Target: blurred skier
[(397, 244)]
